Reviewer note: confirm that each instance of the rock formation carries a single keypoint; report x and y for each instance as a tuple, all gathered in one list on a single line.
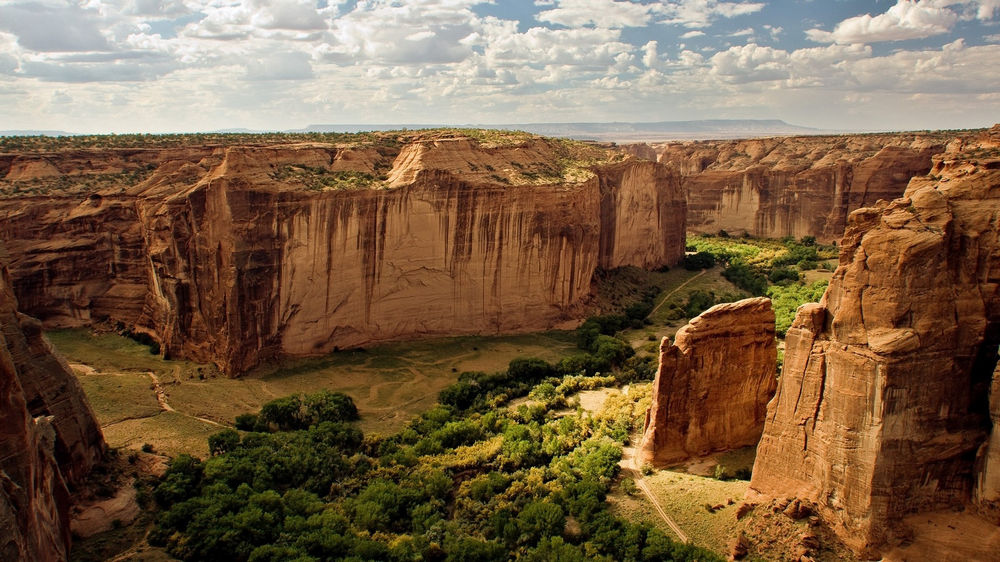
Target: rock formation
[(237, 254), (713, 384), (49, 438), (795, 186), (884, 403)]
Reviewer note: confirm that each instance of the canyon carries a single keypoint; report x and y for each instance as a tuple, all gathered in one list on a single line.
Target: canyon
[(49, 438), (239, 254), (793, 186), (886, 405)]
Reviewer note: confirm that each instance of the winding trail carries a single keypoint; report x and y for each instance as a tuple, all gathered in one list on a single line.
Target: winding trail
[(671, 293), (630, 462), (161, 395)]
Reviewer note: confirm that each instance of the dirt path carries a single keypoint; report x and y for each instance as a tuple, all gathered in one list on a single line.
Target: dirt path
[(161, 395), (161, 399), (671, 293), (630, 462)]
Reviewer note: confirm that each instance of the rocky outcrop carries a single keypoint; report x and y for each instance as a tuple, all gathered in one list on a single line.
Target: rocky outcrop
[(883, 406), (239, 254), (49, 438), (795, 186), (713, 384)]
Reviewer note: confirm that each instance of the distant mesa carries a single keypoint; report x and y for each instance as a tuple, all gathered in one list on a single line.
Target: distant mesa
[(597, 131), (615, 131)]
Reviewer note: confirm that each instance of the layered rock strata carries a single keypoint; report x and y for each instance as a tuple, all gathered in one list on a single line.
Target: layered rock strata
[(795, 186), (239, 254), (884, 404), (713, 384), (49, 438)]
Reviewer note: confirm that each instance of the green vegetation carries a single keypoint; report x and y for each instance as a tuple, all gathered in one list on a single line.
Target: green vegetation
[(476, 484), (320, 179), (390, 383), (74, 184), (786, 299), (775, 268), (41, 143)]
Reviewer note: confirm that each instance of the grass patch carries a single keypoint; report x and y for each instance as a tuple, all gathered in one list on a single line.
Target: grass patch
[(112, 353), (120, 396), (170, 433), (683, 497), (389, 383)]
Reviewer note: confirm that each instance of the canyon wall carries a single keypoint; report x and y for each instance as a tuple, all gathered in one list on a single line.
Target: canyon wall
[(884, 404), (794, 186), (49, 438), (239, 254), (713, 383)]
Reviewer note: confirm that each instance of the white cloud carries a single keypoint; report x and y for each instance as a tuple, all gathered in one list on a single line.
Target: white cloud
[(908, 19), (280, 66), (750, 63), (600, 13), (701, 13), (692, 33), (53, 27), (649, 57)]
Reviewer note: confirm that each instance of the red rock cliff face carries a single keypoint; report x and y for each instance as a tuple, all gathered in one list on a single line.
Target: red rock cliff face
[(884, 402), (795, 186), (240, 254), (48, 438), (713, 383)]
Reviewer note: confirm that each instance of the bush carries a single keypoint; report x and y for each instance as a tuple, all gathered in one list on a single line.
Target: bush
[(698, 301), (701, 260), (223, 442), (746, 278), (785, 275), (246, 422)]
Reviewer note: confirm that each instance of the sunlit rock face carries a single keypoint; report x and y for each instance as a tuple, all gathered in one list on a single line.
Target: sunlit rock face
[(238, 254), (887, 404), (713, 384)]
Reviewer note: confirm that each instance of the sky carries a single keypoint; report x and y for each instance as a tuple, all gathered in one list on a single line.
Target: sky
[(199, 65)]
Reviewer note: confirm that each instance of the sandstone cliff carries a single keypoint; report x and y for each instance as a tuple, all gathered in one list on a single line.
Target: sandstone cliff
[(795, 186), (884, 402), (48, 438), (237, 254), (713, 383)]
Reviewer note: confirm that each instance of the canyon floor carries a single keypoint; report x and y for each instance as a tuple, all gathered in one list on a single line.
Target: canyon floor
[(172, 406)]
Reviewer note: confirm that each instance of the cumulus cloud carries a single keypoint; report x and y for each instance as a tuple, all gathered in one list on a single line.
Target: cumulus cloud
[(443, 60), (750, 63), (52, 27), (600, 13), (908, 19), (701, 13), (280, 66)]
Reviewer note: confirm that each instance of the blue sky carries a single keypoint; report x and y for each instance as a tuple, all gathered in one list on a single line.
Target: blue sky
[(190, 65)]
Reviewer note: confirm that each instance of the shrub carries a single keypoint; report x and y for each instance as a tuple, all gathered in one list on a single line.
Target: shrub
[(701, 260)]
